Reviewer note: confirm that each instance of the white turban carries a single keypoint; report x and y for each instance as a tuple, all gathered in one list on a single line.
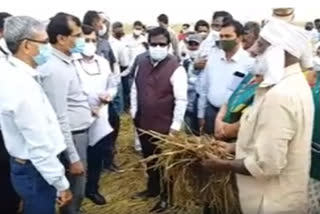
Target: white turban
[(286, 36)]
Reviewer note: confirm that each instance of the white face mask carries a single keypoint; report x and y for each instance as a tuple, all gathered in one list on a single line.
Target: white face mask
[(193, 54), (158, 53), (137, 32), (89, 49), (103, 31)]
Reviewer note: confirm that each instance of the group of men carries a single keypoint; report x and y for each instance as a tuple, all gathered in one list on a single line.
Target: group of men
[(64, 85)]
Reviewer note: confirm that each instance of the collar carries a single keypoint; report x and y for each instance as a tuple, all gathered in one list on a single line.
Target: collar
[(62, 56), (288, 71), (236, 57), (23, 66), (79, 57)]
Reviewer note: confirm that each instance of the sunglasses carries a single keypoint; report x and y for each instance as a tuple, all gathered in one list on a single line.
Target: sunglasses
[(87, 40), (158, 44), (193, 43)]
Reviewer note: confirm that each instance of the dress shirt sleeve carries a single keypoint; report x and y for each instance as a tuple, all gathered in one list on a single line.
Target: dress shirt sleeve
[(32, 126), (203, 91), (179, 81), (112, 84), (272, 137), (56, 86), (134, 98)]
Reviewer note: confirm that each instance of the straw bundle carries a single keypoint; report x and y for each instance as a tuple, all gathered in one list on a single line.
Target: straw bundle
[(188, 185)]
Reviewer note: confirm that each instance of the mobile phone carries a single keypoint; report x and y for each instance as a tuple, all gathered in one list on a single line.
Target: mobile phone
[(236, 80)]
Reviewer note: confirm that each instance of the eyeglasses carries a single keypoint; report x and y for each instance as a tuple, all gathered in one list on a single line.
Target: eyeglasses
[(87, 40), (158, 44), (37, 41)]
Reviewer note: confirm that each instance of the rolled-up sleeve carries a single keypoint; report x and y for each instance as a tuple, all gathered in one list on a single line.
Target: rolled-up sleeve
[(203, 91), (272, 137), (56, 86)]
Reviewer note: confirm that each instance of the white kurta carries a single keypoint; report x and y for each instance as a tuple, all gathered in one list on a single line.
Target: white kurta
[(97, 79)]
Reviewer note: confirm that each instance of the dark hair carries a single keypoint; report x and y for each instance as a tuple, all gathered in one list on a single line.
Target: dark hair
[(201, 23), (317, 20), (138, 23), (117, 25), (238, 27), (3, 16), (59, 25), (224, 14), (253, 27), (87, 29), (186, 25), (159, 31), (163, 18), (90, 17)]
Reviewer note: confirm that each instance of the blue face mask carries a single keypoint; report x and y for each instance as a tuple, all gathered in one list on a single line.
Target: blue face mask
[(78, 46), (44, 54)]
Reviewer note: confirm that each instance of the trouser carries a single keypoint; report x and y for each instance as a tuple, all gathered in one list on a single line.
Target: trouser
[(78, 183), (149, 149), (95, 162), (126, 86), (9, 200), (118, 103), (37, 195), (191, 119), (210, 119), (114, 121)]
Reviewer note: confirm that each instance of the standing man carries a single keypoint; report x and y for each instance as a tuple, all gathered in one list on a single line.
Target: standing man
[(273, 155), (9, 199), (64, 90), (202, 28), (159, 100), (212, 39), (29, 125), (251, 34), (163, 21), (225, 70)]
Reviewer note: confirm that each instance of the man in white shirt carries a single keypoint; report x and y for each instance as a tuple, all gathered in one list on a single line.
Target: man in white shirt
[(29, 125), (225, 70), (100, 84), (9, 198), (159, 101)]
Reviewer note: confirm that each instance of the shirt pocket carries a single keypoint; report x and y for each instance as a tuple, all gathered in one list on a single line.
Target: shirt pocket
[(236, 79)]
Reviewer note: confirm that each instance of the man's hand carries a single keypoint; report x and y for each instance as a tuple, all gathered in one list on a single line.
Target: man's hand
[(219, 132), (227, 147), (213, 164), (77, 168), (95, 112), (65, 198), (200, 64), (105, 98)]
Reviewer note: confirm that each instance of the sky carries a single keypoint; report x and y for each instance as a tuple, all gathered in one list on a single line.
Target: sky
[(179, 11)]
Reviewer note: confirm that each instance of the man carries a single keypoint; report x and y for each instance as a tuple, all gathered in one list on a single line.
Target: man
[(64, 90), (29, 125), (159, 100), (288, 15), (211, 41), (225, 69), (312, 32), (251, 34), (94, 19), (183, 33), (101, 86), (202, 28), (9, 199), (163, 21), (99, 22), (273, 156)]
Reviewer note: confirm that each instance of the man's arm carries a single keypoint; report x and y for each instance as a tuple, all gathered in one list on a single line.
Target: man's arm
[(203, 94), (134, 99), (179, 81), (33, 126), (56, 85)]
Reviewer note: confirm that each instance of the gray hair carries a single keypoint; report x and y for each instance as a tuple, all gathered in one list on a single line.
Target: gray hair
[(18, 28)]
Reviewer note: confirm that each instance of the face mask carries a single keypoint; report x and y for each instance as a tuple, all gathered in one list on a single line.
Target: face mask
[(193, 54), (137, 32), (78, 46), (119, 35), (89, 49), (228, 45), (44, 54), (103, 31), (158, 53), (203, 35)]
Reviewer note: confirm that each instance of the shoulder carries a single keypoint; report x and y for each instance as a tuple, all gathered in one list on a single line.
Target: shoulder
[(51, 67)]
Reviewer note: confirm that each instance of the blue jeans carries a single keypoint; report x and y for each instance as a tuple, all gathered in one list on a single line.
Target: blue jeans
[(37, 195)]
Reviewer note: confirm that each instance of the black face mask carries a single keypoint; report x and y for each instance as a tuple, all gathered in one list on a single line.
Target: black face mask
[(119, 35), (308, 28)]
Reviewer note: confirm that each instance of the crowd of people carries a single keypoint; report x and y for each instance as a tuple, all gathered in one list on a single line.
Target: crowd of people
[(65, 83)]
